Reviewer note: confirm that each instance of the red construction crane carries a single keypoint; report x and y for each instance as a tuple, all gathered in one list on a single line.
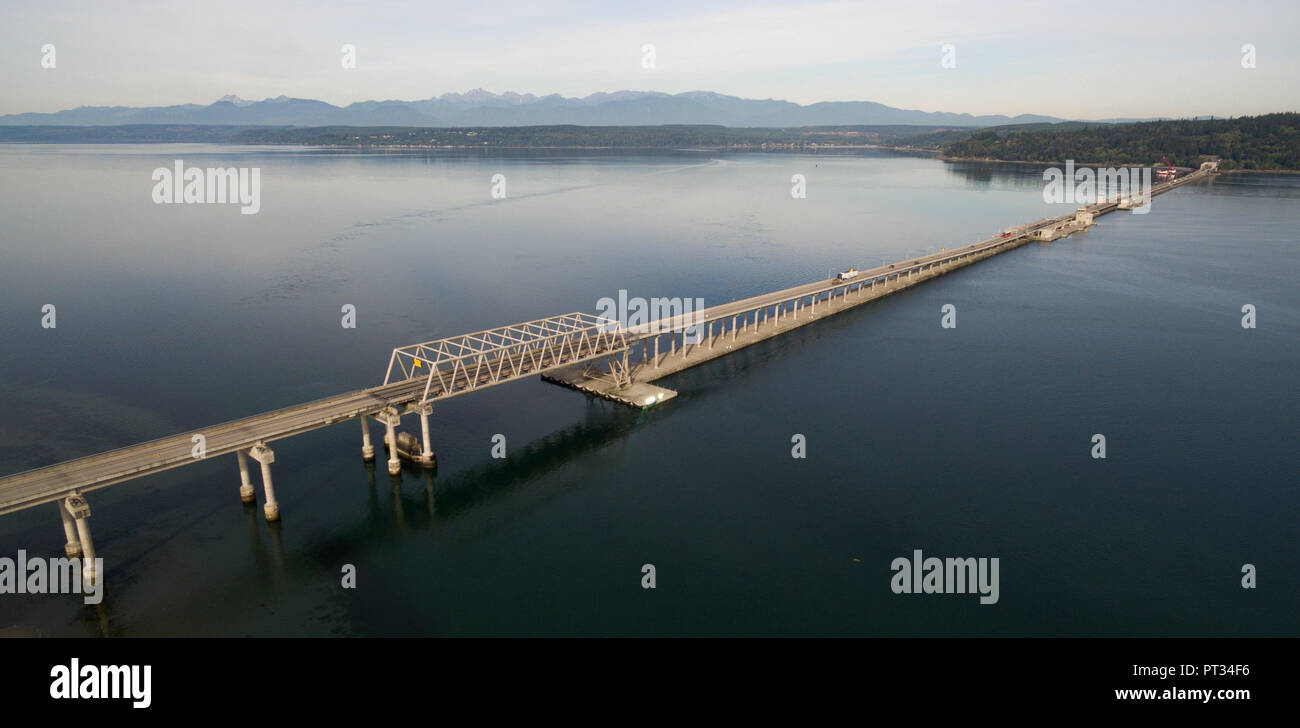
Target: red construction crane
[(1168, 172)]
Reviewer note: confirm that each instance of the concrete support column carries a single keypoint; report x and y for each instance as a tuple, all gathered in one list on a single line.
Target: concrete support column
[(426, 454), (424, 429), (672, 344), (79, 510), (88, 575), (367, 449), (710, 336), (72, 544), (733, 328), (391, 420), (656, 351), (264, 456), (246, 492)]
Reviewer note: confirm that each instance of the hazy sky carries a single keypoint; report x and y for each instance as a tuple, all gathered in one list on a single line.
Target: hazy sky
[(1077, 60)]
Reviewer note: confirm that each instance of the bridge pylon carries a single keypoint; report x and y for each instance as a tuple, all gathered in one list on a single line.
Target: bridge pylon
[(391, 419), (265, 456), (78, 509)]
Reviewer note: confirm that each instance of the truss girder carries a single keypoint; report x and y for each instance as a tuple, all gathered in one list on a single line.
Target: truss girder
[(485, 358)]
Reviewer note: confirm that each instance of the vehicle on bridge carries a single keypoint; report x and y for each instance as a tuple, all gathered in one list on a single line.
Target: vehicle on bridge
[(846, 275)]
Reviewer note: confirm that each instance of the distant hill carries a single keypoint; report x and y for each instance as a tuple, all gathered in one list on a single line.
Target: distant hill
[(1267, 142), (663, 136), (481, 108)]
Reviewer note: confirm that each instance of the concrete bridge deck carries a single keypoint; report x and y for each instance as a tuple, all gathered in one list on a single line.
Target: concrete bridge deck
[(749, 321), (50, 483)]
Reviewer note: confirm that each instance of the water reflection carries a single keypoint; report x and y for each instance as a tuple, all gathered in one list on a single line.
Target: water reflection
[(1003, 174), (275, 563)]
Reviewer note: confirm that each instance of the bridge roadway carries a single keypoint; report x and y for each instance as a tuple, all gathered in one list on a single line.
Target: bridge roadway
[(53, 482), (56, 482), (809, 302), (894, 271)]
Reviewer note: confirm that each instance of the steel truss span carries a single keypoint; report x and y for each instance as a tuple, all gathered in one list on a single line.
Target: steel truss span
[(467, 362)]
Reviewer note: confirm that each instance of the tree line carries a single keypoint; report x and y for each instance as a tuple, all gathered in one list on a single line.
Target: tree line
[(1270, 141)]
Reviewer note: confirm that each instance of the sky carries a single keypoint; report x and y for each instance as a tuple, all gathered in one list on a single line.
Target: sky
[(1082, 60)]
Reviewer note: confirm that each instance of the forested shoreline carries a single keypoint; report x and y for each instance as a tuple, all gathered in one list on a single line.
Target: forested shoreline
[(1269, 142)]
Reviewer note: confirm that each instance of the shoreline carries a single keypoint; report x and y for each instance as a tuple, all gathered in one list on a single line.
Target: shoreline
[(1081, 165), (917, 151), (741, 148)]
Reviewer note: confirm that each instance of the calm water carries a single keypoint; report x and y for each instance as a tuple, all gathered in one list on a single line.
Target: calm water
[(965, 442)]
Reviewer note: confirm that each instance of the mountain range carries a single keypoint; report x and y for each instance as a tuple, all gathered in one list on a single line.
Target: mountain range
[(482, 108)]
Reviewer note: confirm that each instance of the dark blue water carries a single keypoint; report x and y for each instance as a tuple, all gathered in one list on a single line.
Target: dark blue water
[(971, 441)]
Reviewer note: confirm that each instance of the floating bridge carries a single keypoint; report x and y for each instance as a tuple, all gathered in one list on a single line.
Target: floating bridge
[(592, 354)]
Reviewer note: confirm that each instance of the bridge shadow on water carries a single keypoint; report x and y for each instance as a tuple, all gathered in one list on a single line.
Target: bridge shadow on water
[(395, 508)]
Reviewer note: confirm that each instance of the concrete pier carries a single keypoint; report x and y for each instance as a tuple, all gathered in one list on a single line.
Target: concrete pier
[(264, 456), (246, 492), (391, 419), (426, 458), (72, 542), (79, 509), (367, 449)]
